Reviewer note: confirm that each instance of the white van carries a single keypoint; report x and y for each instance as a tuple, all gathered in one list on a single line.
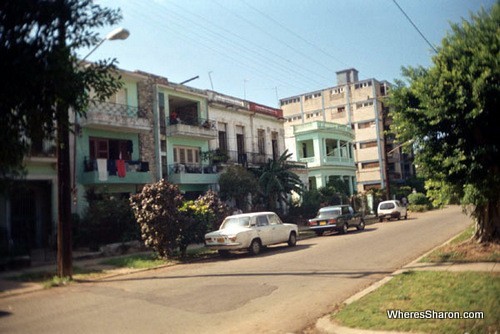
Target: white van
[(391, 209)]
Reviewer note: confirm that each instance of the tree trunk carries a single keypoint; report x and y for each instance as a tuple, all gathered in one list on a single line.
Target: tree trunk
[(487, 222)]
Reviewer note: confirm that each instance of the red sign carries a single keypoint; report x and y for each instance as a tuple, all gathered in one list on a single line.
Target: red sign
[(265, 110)]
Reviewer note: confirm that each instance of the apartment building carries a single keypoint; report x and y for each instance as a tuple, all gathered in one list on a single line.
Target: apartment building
[(359, 105), (249, 133), (327, 148), (110, 150)]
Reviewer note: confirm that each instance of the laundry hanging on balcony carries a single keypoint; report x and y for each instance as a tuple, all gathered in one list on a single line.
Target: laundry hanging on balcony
[(102, 169), (120, 167)]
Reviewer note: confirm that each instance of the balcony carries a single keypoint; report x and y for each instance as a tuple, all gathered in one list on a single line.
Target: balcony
[(42, 152), (115, 117), (192, 128), (328, 161), (193, 174), (136, 172)]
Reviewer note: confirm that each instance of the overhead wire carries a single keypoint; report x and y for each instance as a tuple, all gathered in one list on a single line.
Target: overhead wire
[(244, 51), (415, 26), (273, 56), (290, 31), (266, 32), (197, 42)]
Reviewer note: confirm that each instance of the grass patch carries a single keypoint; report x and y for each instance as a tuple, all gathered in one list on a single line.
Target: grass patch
[(135, 261), (464, 249), (49, 279), (429, 290)]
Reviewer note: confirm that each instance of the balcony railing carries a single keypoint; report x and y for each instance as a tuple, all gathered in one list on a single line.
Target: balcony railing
[(192, 127), (108, 115), (193, 173), (134, 172)]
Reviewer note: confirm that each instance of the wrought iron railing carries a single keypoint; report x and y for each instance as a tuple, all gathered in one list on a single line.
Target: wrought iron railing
[(90, 165), (116, 109), (180, 168)]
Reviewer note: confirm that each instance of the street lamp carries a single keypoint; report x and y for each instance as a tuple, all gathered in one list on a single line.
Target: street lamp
[(118, 33), (64, 250)]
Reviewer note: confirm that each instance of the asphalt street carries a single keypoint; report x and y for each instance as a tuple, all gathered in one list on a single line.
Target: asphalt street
[(283, 290)]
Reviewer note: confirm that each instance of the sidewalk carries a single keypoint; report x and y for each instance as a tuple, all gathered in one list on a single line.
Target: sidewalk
[(326, 326)]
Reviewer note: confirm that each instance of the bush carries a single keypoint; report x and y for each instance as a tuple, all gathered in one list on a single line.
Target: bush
[(156, 209), (418, 199), (108, 219), (168, 222)]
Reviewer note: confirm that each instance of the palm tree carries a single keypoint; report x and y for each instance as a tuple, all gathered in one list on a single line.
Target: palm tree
[(277, 180)]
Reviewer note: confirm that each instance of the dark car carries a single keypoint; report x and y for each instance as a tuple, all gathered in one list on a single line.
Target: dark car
[(336, 218)]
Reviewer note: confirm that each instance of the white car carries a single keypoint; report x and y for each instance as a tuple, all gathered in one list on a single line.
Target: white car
[(251, 231), (391, 209)]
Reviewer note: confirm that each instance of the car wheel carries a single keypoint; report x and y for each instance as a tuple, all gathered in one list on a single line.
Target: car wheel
[(223, 252), (344, 229), (399, 215), (292, 239), (361, 226), (380, 220), (406, 216), (255, 247)]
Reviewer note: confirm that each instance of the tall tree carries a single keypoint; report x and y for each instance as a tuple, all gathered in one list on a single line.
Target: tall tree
[(449, 111), (42, 79), (246, 185), (277, 180)]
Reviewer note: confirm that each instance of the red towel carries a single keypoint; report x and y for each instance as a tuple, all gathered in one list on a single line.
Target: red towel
[(120, 167)]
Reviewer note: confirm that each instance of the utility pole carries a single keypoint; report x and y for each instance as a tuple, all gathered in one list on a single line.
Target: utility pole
[(64, 249)]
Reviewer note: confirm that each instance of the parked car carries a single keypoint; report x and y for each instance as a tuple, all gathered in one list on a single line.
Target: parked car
[(391, 209), (251, 231), (336, 218)]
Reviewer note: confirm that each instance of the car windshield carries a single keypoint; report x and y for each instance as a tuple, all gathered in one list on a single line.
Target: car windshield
[(385, 206), (329, 213), (235, 222)]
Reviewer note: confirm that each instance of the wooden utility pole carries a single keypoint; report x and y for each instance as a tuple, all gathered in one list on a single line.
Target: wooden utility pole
[(64, 249)]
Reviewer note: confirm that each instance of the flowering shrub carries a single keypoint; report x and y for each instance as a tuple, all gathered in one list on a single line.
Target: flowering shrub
[(168, 222), (156, 209)]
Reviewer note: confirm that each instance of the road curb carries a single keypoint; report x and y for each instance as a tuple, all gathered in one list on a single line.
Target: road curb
[(325, 324)]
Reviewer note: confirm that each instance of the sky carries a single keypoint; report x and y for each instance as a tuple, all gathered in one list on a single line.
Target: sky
[(266, 50)]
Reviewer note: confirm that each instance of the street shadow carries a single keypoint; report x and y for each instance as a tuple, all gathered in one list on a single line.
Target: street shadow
[(367, 229), (303, 273), (4, 314)]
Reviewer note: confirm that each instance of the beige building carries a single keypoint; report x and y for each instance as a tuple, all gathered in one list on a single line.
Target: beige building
[(358, 104)]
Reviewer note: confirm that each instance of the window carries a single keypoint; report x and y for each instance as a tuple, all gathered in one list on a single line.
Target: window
[(261, 138), (368, 144), (222, 137), (366, 125), (105, 148), (340, 109), (368, 165), (186, 154)]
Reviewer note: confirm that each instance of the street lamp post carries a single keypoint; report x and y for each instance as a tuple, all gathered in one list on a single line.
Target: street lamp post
[(64, 244)]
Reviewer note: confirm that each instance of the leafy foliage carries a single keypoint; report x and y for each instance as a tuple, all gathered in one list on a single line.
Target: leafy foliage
[(108, 219), (277, 180), (41, 73), (156, 209), (246, 181), (168, 222), (448, 112)]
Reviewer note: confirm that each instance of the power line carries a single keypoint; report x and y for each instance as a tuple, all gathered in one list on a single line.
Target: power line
[(414, 25)]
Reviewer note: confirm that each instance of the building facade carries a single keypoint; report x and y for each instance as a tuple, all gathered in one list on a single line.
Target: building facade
[(108, 153), (249, 133), (359, 105), (327, 148)]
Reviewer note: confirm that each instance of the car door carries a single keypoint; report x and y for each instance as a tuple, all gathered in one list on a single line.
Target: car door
[(355, 217), (280, 232), (347, 216), (264, 229)]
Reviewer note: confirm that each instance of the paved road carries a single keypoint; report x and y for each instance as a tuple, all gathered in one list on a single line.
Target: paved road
[(282, 290)]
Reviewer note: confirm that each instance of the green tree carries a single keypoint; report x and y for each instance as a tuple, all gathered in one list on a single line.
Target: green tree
[(449, 113), (41, 72), (237, 183), (42, 79), (277, 180)]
